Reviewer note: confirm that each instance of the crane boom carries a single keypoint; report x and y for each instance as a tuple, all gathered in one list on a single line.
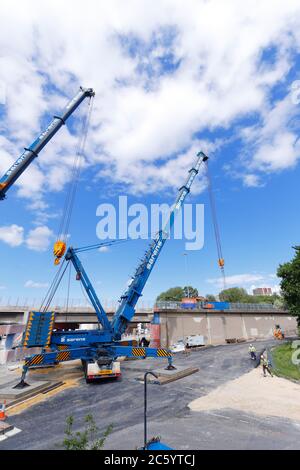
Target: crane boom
[(83, 277), (99, 349), (130, 298), (28, 155)]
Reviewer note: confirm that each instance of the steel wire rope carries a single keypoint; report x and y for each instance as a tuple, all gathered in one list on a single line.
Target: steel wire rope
[(215, 224), (76, 168)]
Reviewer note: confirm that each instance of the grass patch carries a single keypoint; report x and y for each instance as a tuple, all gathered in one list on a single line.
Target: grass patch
[(282, 358)]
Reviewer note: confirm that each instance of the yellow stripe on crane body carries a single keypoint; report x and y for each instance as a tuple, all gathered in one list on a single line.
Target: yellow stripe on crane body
[(63, 356), (163, 353), (35, 360), (139, 352)]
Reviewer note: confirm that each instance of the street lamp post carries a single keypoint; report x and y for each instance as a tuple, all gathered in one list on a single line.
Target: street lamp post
[(186, 269)]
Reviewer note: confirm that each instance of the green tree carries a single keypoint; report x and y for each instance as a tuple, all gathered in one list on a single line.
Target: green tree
[(290, 283), (234, 294), (190, 291), (210, 298), (177, 293), (174, 293), (86, 439)]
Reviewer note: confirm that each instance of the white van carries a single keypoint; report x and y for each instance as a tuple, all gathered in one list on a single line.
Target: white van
[(194, 340)]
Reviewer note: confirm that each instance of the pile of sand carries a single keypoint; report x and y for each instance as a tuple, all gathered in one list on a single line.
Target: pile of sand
[(254, 393)]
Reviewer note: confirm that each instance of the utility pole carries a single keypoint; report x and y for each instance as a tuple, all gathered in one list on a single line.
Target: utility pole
[(186, 269)]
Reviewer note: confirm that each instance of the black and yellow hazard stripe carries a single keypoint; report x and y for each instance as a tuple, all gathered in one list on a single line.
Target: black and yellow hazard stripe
[(28, 329), (34, 361), (163, 353), (50, 329), (139, 352), (63, 356)]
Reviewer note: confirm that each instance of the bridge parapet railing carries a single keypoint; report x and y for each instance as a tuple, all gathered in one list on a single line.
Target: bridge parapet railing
[(233, 307)]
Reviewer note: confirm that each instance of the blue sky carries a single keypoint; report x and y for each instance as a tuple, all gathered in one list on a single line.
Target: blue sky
[(168, 83)]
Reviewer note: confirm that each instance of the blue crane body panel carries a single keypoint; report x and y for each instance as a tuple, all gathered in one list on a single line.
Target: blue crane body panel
[(38, 329)]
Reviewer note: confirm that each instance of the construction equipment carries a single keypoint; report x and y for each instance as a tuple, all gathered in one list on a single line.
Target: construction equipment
[(30, 153), (99, 348)]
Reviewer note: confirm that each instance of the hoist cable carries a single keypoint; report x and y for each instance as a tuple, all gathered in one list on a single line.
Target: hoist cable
[(215, 225), (76, 168), (53, 287)]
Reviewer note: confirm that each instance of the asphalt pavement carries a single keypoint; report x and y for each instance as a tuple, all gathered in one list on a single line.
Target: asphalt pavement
[(120, 403)]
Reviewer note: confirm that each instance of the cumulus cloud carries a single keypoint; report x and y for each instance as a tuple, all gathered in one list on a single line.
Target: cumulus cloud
[(275, 144), (104, 249), (251, 180), (39, 238), (13, 235), (35, 285), (163, 74), (249, 281)]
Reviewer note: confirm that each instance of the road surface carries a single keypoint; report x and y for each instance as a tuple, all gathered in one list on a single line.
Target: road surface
[(121, 404)]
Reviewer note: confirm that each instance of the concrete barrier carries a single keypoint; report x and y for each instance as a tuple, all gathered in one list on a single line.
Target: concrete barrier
[(218, 326)]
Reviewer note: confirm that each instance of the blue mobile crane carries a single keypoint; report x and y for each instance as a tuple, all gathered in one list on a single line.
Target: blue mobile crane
[(31, 152), (99, 348)]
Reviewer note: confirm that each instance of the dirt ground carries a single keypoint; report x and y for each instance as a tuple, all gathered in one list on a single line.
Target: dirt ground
[(265, 396)]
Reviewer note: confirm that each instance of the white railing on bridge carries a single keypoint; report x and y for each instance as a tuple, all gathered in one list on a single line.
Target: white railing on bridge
[(62, 304), (233, 307)]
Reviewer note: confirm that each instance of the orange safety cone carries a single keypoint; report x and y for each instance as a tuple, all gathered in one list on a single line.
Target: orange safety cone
[(2, 411)]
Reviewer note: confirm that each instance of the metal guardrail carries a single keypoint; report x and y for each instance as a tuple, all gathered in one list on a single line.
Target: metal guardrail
[(145, 306), (233, 307), (58, 304), (254, 307)]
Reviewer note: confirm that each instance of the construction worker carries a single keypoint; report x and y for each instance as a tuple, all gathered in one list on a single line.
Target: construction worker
[(265, 365), (252, 352)]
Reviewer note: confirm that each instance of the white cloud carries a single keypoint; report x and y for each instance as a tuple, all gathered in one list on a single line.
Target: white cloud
[(237, 280), (104, 249), (275, 144), (13, 234), (39, 238), (35, 285), (251, 180), (145, 112), (248, 281)]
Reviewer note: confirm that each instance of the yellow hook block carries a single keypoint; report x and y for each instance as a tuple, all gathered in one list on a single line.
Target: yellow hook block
[(59, 250)]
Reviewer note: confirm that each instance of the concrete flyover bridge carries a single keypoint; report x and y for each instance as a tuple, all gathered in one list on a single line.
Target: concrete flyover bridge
[(66, 316)]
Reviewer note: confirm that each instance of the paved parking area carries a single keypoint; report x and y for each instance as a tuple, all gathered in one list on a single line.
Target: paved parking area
[(121, 404)]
